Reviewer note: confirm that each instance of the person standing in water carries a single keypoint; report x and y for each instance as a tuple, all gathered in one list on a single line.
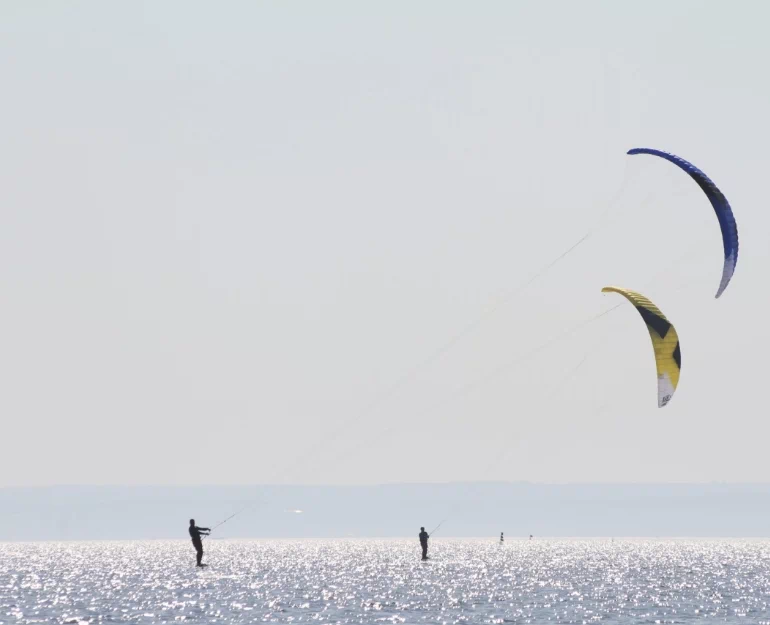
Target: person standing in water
[(424, 543), (502, 540), (196, 533)]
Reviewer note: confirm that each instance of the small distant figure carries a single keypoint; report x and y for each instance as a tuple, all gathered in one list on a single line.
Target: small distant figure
[(502, 540), (196, 533), (530, 536), (424, 543)]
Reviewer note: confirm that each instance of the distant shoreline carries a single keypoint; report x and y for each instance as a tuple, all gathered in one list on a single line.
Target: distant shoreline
[(471, 509)]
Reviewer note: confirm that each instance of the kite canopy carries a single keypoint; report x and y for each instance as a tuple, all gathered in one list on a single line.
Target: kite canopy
[(721, 208), (665, 342)]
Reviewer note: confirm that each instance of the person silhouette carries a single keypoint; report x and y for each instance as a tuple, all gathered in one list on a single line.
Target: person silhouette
[(502, 540), (424, 543), (196, 533)]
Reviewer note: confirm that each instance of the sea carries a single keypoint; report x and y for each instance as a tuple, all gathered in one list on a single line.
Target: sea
[(384, 581)]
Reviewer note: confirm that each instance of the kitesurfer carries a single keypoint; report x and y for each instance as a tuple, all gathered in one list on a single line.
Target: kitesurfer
[(196, 533), (424, 543)]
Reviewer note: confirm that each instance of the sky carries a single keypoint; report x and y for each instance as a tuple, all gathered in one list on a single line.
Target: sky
[(269, 242)]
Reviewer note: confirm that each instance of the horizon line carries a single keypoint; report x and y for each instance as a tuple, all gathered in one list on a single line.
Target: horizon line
[(379, 484)]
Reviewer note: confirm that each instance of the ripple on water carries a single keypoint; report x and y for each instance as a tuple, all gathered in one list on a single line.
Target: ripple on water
[(383, 581)]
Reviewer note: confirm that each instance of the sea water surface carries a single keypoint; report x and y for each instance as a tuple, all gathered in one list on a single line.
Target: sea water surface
[(384, 581)]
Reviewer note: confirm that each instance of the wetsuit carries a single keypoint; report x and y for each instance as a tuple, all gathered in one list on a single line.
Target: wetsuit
[(195, 534), (424, 544)]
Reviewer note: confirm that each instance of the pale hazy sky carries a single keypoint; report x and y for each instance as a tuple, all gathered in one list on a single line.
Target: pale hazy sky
[(229, 227)]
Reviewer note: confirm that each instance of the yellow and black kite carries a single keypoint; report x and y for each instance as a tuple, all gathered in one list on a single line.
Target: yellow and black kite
[(665, 342)]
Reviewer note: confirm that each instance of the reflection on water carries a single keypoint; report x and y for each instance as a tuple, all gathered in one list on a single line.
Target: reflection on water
[(373, 581)]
